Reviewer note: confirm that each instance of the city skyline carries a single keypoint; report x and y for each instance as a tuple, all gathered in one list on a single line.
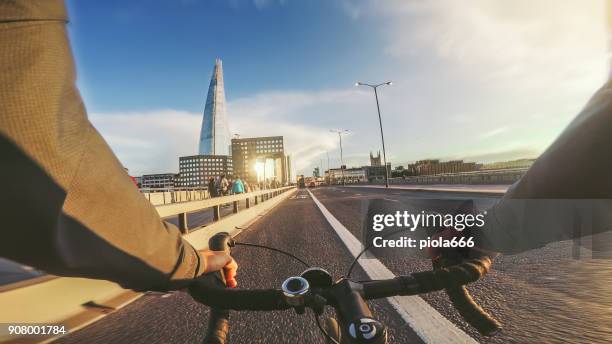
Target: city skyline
[(480, 82)]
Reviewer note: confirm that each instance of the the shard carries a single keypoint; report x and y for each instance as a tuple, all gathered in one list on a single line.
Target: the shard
[(214, 136)]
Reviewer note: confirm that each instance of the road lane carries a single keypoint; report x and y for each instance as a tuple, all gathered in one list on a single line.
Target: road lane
[(538, 295), (12, 272), (295, 225), (429, 324)]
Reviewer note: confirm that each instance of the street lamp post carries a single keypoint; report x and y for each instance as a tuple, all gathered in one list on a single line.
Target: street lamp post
[(328, 172), (340, 132), (375, 87), (321, 167)]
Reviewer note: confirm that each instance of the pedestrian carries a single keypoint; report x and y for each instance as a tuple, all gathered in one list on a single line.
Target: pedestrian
[(237, 186), (224, 183), (219, 186), (212, 188)]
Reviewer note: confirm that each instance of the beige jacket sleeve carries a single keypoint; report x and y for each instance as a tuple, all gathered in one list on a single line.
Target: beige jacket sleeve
[(68, 207)]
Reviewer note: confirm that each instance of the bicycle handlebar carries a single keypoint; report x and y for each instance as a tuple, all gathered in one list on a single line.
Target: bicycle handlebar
[(205, 290), (210, 291), (218, 321)]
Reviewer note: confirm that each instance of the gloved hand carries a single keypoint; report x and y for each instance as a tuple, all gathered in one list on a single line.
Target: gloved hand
[(448, 256)]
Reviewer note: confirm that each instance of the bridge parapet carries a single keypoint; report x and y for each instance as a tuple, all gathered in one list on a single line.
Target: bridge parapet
[(161, 196), (489, 177), (181, 209)]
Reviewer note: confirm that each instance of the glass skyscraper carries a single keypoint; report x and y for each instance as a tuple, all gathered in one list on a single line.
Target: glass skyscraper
[(214, 136)]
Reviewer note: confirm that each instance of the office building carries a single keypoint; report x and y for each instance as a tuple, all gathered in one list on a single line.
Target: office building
[(195, 170), (374, 173), (214, 135), (160, 180), (350, 175), (260, 158)]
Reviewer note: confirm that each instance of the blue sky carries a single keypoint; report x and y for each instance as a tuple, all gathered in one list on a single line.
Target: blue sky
[(479, 80), (161, 52)]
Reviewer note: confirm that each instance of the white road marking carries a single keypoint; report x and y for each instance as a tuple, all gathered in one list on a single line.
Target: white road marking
[(429, 325)]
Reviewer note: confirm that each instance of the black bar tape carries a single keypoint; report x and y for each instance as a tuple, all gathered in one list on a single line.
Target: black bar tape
[(218, 327), (471, 312), (467, 272), (453, 279), (206, 290)]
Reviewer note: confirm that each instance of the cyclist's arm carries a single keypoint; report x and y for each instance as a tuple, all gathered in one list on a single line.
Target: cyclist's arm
[(568, 187), (68, 207)]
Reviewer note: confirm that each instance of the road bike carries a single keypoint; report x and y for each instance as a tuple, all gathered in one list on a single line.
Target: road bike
[(315, 289)]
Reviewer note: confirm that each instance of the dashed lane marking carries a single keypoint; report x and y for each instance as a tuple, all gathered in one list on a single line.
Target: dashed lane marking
[(429, 324)]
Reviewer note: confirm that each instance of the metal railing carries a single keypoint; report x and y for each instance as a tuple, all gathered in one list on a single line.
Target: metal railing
[(502, 176), (178, 194), (182, 209), (158, 196)]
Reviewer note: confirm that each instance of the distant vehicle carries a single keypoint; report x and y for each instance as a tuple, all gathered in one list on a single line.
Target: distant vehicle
[(311, 182), (300, 182)]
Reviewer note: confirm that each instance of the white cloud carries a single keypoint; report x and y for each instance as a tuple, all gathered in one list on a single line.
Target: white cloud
[(494, 132), (501, 39), (479, 80), (304, 119), (523, 68), (151, 141), (484, 156)]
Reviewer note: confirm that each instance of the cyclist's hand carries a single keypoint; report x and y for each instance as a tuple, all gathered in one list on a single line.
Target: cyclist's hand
[(217, 260), (451, 256)]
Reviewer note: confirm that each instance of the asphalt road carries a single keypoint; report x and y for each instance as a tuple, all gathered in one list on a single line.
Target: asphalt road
[(540, 296), (11, 272)]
